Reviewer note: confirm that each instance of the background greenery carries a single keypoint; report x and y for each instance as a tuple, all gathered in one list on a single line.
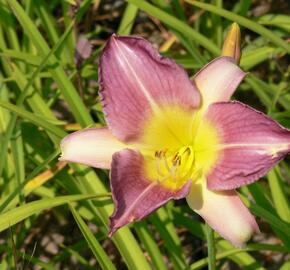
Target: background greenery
[(54, 215)]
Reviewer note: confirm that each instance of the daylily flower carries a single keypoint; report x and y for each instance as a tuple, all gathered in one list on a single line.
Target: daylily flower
[(169, 137)]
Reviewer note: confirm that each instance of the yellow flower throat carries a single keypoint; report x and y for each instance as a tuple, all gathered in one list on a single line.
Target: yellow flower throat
[(179, 146)]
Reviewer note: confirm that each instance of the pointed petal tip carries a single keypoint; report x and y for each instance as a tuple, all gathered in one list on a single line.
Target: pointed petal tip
[(252, 143), (113, 37), (93, 147), (235, 29), (218, 80), (114, 226), (245, 234), (63, 147), (112, 231), (116, 39), (224, 212)]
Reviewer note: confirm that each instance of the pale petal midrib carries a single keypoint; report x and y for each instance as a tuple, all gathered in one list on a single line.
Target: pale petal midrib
[(135, 203), (140, 83), (279, 146)]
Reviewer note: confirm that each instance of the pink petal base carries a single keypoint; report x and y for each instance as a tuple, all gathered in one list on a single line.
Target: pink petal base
[(134, 196)]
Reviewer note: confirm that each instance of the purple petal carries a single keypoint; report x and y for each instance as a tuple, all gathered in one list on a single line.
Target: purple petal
[(223, 211), (218, 80), (251, 144), (135, 81), (134, 196), (93, 147)]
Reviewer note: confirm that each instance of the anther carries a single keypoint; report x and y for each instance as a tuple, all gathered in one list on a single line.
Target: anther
[(156, 154), (176, 160)]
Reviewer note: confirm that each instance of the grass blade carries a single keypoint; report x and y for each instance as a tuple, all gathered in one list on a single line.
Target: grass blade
[(94, 245), (278, 195), (35, 119), (271, 219), (20, 213), (150, 245), (177, 25), (171, 240), (255, 27), (128, 19), (210, 248), (68, 90)]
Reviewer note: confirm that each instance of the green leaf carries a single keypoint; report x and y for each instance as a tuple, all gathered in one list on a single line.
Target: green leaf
[(72, 2), (67, 88), (6, 200), (254, 57), (278, 20), (268, 216), (27, 58), (204, 262), (259, 90), (18, 157), (210, 248), (50, 27), (177, 25), (20, 213), (245, 260), (255, 27), (94, 245), (30, 259), (35, 119), (171, 241), (260, 197), (229, 253), (128, 19), (285, 266), (150, 245), (278, 195)]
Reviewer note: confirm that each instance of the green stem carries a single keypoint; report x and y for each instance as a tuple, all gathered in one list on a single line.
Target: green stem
[(210, 248)]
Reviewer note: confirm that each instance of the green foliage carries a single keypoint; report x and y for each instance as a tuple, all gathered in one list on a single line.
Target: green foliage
[(45, 93)]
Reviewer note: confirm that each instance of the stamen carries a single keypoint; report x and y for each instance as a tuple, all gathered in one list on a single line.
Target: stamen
[(173, 173), (176, 160), (177, 166), (166, 164), (158, 167), (156, 154)]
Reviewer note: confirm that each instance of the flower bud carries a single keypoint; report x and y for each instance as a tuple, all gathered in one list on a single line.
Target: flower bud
[(232, 43)]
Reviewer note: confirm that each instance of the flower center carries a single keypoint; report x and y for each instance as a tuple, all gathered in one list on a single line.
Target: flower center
[(175, 167), (178, 146)]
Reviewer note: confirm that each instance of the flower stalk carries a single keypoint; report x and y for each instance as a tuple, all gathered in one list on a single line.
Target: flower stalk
[(211, 251)]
